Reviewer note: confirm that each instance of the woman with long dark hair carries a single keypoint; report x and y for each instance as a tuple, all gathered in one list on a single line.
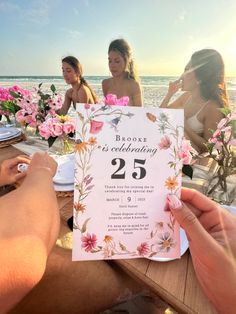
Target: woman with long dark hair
[(124, 80), (203, 82), (80, 91)]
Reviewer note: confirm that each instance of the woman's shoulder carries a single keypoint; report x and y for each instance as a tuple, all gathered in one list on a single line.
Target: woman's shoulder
[(83, 90), (106, 83), (212, 107), (107, 80), (134, 86), (69, 92)]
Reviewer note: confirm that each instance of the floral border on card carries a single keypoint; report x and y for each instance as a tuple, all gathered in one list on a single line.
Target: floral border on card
[(161, 238)]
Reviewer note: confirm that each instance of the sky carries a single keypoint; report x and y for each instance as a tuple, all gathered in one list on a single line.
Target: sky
[(36, 34)]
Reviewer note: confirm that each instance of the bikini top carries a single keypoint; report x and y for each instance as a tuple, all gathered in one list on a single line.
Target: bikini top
[(112, 99), (194, 123)]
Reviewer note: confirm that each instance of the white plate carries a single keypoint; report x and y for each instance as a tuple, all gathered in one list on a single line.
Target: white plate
[(65, 169), (63, 188), (8, 133), (231, 209), (183, 248)]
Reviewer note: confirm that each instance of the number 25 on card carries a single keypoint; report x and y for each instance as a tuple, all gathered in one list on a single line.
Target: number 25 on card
[(140, 172)]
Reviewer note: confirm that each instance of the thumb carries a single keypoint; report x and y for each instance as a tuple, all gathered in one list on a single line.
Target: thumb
[(197, 235)]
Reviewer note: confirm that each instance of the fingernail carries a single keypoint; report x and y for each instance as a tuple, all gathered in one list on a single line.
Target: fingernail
[(173, 201)]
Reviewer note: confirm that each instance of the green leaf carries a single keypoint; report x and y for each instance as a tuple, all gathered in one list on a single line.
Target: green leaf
[(40, 85), (53, 88), (84, 227), (14, 94), (188, 171), (225, 111), (51, 140)]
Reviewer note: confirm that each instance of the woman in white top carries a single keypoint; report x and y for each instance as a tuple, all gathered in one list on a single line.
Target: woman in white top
[(124, 80), (205, 92)]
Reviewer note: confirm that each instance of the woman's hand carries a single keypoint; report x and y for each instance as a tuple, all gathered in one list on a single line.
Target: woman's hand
[(174, 87), (9, 173), (42, 161), (211, 232)]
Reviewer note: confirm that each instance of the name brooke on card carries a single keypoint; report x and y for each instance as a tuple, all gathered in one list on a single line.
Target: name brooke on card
[(127, 162)]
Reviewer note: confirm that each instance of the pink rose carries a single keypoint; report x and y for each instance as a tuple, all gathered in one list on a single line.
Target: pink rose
[(57, 128), (95, 126), (44, 131), (69, 127), (20, 116)]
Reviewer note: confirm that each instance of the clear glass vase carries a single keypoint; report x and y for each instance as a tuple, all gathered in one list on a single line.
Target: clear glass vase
[(29, 133), (222, 189), (63, 145)]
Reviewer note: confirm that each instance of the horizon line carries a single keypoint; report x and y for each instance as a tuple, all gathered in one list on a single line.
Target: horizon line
[(89, 75)]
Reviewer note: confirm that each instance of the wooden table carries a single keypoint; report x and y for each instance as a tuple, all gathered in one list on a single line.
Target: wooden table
[(173, 281)]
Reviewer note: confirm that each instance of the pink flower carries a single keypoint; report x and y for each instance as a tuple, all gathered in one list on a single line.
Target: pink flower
[(216, 133), (44, 131), (57, 128), (69, 127), (185, 156), (227, 133), (186, 146), (165, 142), (95, 126), (86, 106), (143, 249), (218, 145), (89, 242), (186, 152), (20, 116), (212, 140), (222, 123)]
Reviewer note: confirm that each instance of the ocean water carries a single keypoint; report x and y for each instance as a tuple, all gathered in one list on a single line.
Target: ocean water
[(154, 88)]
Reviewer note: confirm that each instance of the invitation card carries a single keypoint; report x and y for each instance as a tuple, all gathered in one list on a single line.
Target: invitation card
[(126, 163)]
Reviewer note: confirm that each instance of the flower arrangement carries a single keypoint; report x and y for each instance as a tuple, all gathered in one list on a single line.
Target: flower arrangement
[(36, 107), (8, 103), (59, 126), (221, 148)]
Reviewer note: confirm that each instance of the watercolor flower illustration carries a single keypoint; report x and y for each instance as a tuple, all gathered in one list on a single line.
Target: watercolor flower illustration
[(143, 249), (85, 146), (166, 242), (89, 242)]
